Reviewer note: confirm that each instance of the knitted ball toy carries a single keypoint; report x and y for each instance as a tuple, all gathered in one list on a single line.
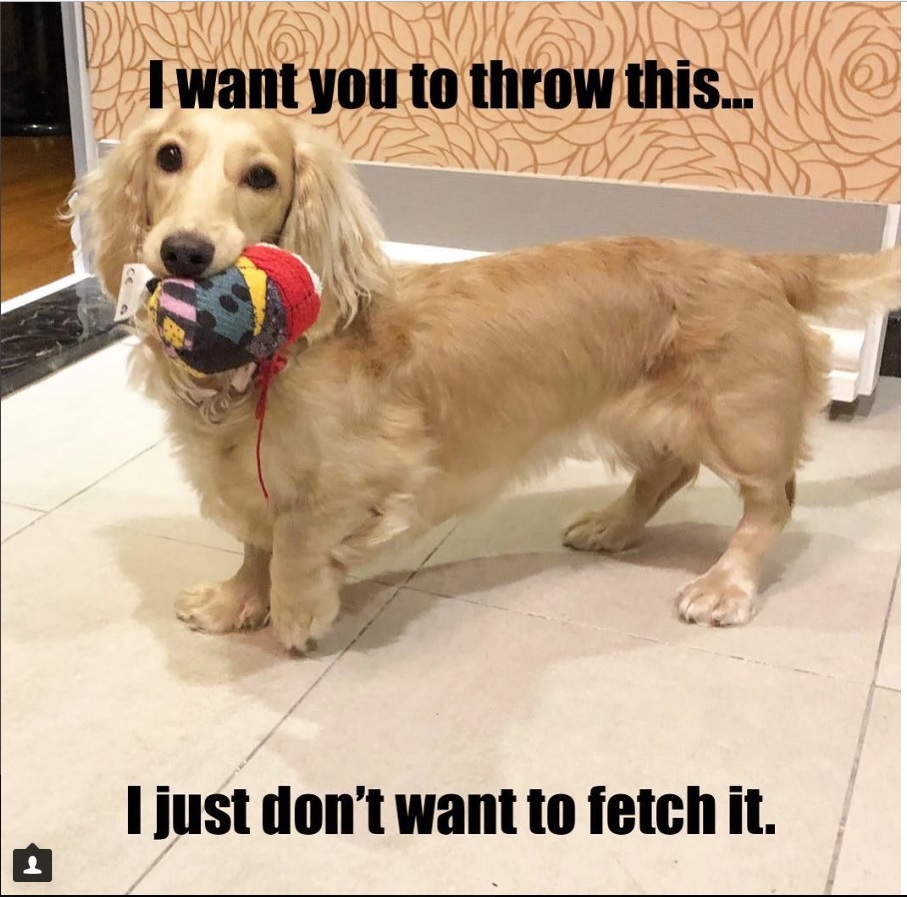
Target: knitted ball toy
[(242, 315)]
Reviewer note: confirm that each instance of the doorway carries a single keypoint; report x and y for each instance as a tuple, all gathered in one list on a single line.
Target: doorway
[(36, 148)]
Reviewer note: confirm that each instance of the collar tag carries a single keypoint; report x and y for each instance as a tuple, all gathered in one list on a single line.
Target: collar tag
[(133, 289)]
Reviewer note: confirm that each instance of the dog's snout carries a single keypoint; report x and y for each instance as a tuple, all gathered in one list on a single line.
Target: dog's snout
[(185, 254)]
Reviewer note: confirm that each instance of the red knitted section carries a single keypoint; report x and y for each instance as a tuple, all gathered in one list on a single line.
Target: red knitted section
[(300, 298)]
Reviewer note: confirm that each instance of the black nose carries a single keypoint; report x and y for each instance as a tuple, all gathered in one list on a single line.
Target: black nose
[(185, 254)]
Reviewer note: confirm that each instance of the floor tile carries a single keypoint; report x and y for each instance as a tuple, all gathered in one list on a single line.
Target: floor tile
[(13, 518), (441, 696), (869, 858), (66, 432), (103, 687)]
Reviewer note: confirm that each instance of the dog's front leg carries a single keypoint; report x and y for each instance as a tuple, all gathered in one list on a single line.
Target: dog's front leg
[(305, 577), (237, 603)]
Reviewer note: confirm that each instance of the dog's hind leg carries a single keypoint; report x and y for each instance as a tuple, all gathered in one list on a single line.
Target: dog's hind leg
[(238, 603), (725, 595), (621, 524)]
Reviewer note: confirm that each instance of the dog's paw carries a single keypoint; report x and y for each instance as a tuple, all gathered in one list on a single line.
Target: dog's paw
[(222, 607), (603, 530), (721, 597), (295, 623)]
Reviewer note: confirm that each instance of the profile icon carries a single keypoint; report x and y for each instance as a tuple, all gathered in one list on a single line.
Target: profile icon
[(32, 863)]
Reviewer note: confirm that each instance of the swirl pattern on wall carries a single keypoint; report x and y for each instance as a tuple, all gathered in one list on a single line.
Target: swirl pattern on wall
[(824, 77)]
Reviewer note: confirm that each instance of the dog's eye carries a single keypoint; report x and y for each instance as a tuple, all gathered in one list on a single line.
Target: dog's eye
[(170, 158), (260, 178)]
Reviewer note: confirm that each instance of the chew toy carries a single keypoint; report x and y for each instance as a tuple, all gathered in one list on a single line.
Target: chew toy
[(245, 314)]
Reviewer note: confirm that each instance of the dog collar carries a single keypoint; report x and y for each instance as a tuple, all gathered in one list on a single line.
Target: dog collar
[(213, 404)]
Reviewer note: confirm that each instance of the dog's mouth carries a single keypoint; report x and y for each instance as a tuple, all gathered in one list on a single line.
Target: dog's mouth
[(191, 255)]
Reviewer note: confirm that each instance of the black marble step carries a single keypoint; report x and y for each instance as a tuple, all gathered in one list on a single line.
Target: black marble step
[(51, 333)]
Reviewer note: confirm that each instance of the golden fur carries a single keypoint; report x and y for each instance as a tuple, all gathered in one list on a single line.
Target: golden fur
[(425, 390)]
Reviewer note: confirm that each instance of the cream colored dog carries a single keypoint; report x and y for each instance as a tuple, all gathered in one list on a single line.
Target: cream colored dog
[(424, 391)]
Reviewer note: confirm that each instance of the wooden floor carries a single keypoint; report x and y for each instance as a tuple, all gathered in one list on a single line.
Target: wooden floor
[(35, 248)]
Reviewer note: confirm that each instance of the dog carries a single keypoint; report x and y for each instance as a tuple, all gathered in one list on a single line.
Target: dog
[(424, 391)]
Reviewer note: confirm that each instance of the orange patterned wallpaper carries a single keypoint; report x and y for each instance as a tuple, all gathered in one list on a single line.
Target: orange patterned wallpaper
[(824, 77)]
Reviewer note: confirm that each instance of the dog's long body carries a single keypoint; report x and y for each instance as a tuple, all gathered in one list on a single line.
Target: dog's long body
[(427, 389)]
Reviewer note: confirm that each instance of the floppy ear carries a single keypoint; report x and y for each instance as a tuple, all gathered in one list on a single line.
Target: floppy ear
[(332, 225), (112, 200)]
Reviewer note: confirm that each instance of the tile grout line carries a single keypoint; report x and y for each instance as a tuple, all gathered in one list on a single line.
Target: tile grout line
[(858, 754), (563, 621), (29, 525), (271, 732), (182, 540), (104, 476), (429, 556), (15, 504), (133, 530)]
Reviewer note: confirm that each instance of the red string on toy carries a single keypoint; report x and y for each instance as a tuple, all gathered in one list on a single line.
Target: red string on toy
[(268, 369)]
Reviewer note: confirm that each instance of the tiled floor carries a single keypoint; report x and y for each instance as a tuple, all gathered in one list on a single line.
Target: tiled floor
[(486, 657)]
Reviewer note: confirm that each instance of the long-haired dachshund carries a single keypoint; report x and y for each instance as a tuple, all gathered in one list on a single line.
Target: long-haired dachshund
[(423, 391)]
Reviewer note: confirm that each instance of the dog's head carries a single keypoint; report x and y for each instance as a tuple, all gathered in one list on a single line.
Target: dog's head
[(187, 190)]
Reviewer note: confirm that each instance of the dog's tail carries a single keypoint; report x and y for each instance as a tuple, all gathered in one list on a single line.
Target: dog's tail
[(817, 284)]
